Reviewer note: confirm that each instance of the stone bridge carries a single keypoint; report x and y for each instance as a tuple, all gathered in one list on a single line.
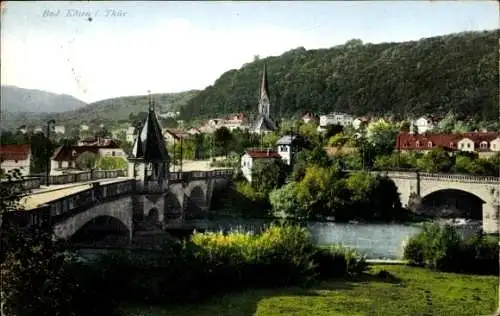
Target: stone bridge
[(415, 186), (128, 206)]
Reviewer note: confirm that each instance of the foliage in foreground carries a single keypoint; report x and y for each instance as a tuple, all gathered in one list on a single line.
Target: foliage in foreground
[(39, 278), (217, 262), (390, 290), (442, 248)]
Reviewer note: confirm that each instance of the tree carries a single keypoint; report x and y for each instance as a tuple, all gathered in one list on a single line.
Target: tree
[(269, 175), (436, 160), (286, 201), (382, 135), (405, 126), (269, 140), (104, 133), (447, 124), (41, 151), (111, 163), (222, 138), (32, 264), (86, 160)]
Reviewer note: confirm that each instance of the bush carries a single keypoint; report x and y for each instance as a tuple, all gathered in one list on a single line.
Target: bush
[(443, 249), (335, 261), (218, 262)]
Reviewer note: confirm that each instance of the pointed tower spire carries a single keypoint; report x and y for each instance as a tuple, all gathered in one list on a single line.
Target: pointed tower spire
[(264, 89), (264, 122), (264, 103)]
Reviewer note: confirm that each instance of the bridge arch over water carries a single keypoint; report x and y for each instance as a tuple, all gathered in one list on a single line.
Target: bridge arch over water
[(100, 227), (120, 210), (454, 203)]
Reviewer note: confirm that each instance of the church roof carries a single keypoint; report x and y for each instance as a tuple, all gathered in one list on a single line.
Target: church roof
[(263, 123), (150, 144)]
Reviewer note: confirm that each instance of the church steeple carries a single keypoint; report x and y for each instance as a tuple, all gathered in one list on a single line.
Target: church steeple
[(264, 102), (264, 123), (150, 144)]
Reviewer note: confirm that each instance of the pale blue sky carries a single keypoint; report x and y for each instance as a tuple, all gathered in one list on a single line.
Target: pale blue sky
[(175, 46)]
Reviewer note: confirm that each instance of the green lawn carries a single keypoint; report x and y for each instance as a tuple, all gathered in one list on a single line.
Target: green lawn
[(416, 291)]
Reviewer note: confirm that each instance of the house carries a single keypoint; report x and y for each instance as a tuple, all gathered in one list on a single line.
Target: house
[(65, 157), (287, 148), (426, 123), (234, 121), (310, 118), (38, 129), (173, 135), (484, 143), (15, 157), (59, 129), (22, 129), (252, 155), (335, 119), (169, 115), (84, 127)]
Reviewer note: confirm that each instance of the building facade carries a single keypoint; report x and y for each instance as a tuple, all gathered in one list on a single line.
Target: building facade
[(252, 155), (15, 157), (485, 144)]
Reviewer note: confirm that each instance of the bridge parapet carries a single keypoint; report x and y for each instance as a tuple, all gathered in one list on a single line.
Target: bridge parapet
[(176, 177), (34, 182), (69, 205), (439, 176), (461, 178)]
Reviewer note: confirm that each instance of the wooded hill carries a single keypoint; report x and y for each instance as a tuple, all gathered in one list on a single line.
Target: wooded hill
[(428, 76), (117, 109)]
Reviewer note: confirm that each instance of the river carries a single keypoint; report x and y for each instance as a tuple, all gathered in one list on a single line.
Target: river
[(376, 241)]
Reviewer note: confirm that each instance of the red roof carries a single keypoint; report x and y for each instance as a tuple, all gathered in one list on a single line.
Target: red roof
[(257, 154), (70, 153), (176, 133), (14, 152), (408, 141)]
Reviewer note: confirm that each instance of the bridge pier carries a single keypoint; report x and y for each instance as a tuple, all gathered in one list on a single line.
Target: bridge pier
[(491, 213)]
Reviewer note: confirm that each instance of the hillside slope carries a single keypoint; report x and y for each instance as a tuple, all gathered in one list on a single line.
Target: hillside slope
[(120, 108), (15, 99), (432, 75)]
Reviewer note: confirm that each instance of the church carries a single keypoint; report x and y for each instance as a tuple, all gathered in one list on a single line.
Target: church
[(263, 124)]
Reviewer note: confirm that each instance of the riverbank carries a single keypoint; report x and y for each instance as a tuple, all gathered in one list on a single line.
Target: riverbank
[(405, 291)]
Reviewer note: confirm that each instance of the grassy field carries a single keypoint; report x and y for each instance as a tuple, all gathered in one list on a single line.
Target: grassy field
[(412, 291)]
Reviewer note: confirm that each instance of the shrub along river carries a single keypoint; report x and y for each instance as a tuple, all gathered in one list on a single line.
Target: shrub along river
[(376, 241)]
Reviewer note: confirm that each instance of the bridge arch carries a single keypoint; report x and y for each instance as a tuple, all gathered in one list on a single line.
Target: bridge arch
[(196, 196), (99, 228), (481, 191), (120, 209), (454, 203), (153, 215)]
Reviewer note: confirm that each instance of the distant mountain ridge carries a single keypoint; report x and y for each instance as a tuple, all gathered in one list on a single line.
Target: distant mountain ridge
[(15, 99), (116, 109), (34, 107)]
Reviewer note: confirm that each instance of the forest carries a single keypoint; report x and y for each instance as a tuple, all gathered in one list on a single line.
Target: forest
[(429, 76)]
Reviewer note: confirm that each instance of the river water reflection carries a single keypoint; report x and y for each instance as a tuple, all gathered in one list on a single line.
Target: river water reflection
[(376, 241)]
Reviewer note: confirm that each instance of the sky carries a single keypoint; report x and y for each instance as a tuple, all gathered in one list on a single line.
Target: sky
[(128, 48)]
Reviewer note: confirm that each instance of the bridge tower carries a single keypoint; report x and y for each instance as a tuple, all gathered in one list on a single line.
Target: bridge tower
[(149, 164)]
